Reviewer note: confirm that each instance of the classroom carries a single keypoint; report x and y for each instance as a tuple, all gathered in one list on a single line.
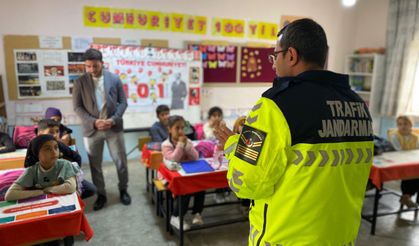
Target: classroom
[(209, 122)]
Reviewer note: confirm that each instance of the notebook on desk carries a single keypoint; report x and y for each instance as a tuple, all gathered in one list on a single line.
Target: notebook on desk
[(198, 166)]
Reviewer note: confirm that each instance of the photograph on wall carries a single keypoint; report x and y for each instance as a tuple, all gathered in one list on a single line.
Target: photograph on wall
[(30, 91), (194, 75), (53, 71), (255, 66), (218, 62), (56, 85), (75, 57), (49, 72), (26, 56), (151, 76), (75, 68), (194, 96), (27, 68), (72, 78), (28, 80)]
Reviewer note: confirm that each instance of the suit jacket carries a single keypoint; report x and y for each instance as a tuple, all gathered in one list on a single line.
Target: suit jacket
[(85, 105)]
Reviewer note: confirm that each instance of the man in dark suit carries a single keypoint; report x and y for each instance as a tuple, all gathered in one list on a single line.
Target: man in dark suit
[(100, 102)]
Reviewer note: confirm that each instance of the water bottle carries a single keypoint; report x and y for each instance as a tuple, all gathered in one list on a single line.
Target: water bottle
[(218, 157)]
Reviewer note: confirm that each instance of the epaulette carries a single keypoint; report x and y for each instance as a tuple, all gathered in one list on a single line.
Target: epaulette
[(280, 85)]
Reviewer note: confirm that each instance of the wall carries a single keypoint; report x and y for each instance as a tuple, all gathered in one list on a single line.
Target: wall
[(64, 18), (371, 23)]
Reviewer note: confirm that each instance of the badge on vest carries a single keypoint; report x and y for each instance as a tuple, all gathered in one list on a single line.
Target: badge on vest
[(250, 144)]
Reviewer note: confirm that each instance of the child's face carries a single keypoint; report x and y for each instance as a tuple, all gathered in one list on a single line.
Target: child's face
[(177, 131), (48, 154), (164, 117), (54, 131), (216, 117), (56, 118), (404, 126)]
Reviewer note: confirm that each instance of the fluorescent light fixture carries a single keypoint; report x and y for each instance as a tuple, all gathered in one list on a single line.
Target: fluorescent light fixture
[(348, 3)]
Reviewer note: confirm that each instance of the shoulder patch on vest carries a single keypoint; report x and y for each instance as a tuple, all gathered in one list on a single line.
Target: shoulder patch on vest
[(250, 144)]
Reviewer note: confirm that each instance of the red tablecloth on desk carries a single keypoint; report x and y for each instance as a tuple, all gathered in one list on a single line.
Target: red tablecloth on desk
[(378, 175), (182, 185), (39, 229)]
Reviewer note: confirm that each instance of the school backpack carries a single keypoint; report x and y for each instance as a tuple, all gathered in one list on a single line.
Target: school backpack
[(22, 135)]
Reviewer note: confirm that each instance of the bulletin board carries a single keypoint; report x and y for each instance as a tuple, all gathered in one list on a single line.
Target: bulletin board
[(228, 64), (219, 62), (14, 44), (255, 66)]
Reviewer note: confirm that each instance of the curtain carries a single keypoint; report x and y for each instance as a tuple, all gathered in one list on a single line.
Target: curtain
[(403, 20), (409, 87)]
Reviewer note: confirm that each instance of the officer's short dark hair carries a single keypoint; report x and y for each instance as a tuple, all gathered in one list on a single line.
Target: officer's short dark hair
[(214, 110), (92, 55), (308, 38), (162, 108), (47, 123)]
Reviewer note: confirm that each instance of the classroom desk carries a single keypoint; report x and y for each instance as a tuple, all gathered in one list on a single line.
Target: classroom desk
[(397, 165), (42, 218), (181, 185), (13, 159)]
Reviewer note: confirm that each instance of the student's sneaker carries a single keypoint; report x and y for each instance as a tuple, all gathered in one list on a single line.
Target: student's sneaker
[(174, 221), (405, 200), (197, 219), (219, 198)]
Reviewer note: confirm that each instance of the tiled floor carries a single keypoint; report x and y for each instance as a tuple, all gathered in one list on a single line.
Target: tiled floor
[(137, 224)]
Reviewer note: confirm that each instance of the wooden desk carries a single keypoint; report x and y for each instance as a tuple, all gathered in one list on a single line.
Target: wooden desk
[(389, 166), (13, 159)]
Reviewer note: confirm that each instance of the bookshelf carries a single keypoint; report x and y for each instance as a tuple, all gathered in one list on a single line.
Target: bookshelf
[(366, 77)]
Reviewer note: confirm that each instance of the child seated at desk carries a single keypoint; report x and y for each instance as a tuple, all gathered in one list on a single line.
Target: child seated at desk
[(405, 139), (179, 148), (49, 175), (65, 132), (215, 118), (51, 127), (158, 130)]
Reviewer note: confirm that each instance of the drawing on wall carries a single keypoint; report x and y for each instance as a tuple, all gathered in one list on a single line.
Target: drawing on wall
[(194, 96), (194, 75)]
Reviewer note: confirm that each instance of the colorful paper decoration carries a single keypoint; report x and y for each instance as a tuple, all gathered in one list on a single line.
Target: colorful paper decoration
[(218, 62), (255, 66)]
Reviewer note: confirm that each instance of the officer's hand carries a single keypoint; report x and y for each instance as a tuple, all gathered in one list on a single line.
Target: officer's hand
[(222, 133)]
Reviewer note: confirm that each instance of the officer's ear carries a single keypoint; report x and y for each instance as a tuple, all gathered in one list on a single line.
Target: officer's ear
[(293, 57)]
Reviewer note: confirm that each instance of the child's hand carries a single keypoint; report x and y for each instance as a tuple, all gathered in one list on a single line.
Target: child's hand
[(183, 139)]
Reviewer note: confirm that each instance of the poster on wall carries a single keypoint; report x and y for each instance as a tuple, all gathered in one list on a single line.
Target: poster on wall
[(42, 73), (255, 66), (218, 62), (153, 76)]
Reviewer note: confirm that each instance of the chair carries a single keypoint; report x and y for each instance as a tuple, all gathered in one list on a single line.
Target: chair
[(142, 141)]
